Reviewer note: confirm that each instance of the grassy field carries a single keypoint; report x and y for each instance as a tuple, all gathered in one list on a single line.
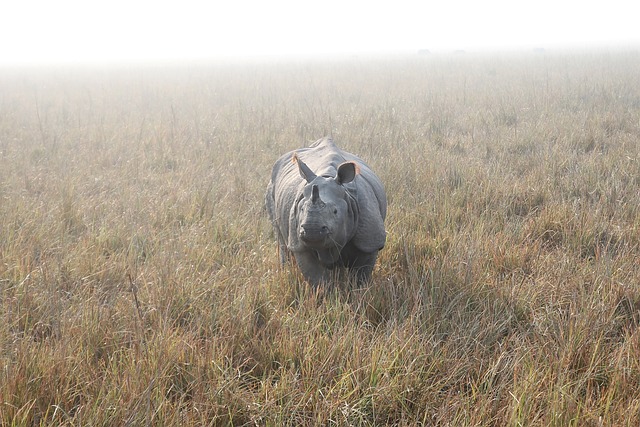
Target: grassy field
[(140, 283)]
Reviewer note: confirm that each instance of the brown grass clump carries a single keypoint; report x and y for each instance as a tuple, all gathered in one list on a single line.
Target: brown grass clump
[(140, 283)]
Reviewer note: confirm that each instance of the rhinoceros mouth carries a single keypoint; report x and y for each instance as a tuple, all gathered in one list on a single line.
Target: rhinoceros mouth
[(314, 235)]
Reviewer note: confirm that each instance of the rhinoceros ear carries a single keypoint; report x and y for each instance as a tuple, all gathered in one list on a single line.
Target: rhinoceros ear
[(305, 171), (347, 172)]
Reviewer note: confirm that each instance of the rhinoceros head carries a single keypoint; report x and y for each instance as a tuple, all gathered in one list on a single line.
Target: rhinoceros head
[(324, 217)]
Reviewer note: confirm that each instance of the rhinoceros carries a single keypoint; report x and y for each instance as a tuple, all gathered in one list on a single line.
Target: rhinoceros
[(328, 210)]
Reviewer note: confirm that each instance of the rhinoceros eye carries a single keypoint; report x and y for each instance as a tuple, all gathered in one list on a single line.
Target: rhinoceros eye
[(335, 211)]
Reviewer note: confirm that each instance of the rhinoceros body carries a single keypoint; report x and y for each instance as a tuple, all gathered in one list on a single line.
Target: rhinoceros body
[(328, 209)]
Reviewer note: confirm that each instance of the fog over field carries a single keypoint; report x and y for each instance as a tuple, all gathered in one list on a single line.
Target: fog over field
[(139, 277), (74, 31)]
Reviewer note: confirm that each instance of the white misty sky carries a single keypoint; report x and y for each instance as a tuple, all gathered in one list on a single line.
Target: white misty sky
[(75, 30)]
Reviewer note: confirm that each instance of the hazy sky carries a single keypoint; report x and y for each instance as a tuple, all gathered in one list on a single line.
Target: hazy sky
[(74, 30)]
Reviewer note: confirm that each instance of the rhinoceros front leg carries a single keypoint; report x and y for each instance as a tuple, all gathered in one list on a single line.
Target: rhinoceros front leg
[(363, 268), (313, 271), (283, 251), (360, 264)]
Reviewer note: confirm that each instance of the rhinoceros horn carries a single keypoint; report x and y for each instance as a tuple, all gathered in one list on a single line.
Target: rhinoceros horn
[(315, 195)]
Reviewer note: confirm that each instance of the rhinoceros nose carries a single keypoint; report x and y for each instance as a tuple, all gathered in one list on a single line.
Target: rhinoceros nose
[(311, 229), (312, 232)]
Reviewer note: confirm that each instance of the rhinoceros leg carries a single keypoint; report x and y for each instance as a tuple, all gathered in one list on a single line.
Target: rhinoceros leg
[(362, 268), (312, 270), (360, 264), (283, 251)]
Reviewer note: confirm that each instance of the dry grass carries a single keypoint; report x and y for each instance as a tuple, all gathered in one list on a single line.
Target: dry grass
[(140, 283)]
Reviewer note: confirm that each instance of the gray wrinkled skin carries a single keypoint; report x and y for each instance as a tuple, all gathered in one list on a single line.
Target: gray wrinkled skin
[(328, 209)]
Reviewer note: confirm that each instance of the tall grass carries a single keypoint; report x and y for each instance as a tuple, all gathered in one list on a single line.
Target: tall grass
[(140, 283)]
